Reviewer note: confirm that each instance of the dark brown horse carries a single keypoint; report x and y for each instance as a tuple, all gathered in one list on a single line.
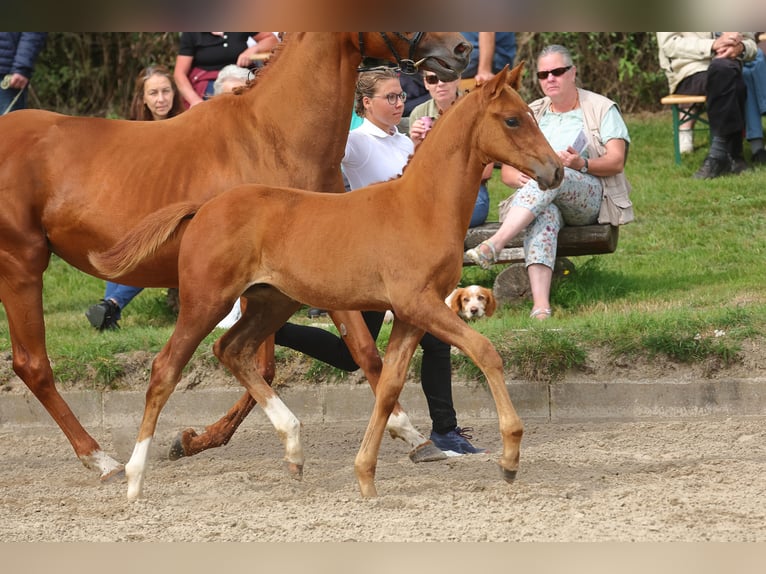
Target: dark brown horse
[(397, 244), (70, 185)]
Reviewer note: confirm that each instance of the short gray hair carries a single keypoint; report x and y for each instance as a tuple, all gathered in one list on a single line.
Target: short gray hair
[(557, 49), (230, 72)]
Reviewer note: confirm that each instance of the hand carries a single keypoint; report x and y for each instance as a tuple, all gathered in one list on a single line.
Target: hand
[(18, 82), (418, 130), (571, 159), (482, 77), (244, 60), (728, 45)]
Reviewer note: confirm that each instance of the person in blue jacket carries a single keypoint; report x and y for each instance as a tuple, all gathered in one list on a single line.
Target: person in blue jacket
[(18, 53)]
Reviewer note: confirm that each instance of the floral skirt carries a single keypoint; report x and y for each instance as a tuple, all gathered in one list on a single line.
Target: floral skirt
[(576, 201)]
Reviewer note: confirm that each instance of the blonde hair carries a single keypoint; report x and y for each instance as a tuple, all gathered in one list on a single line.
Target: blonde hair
[(365, 85)]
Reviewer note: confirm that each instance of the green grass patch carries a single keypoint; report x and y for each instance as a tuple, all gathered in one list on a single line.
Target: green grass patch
[(685, 284)]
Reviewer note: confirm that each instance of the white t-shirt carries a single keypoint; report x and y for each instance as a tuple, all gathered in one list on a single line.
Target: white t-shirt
[(372, 155)]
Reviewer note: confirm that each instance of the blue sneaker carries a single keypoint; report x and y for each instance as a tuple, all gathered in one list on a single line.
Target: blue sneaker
[(455, 442)]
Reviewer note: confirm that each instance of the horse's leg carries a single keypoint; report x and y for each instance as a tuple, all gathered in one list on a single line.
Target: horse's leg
[(360, 343), (401, 346), (445, 325), (189, 443), (21, 293), (266, 310)]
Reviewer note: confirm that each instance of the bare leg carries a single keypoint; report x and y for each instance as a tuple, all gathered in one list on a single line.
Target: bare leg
[(540, 277)]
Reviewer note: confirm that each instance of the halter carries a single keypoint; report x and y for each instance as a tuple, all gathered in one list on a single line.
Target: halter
[(407, 65)]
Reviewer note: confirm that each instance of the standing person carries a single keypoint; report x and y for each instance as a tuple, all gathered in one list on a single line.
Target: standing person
[(710, 63), (18, 54), (491, 52), (754, 75), (155, 98), (376, 151), (443, 95), (202, 54), (590, 136)]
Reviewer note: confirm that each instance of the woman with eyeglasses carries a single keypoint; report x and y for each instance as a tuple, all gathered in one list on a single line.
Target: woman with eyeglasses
[(376, 151), (155, 98), (591, 138), (422, 117)]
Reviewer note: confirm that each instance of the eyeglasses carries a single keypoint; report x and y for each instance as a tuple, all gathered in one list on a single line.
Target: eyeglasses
[(391, 98), (542, 75), (431, 79)]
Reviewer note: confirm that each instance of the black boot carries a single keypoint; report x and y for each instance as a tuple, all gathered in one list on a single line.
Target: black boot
[(713, 167), (104, 315)]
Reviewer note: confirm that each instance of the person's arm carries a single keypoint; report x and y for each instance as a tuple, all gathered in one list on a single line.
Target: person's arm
[(486, 56), (29, 47), (266, 42), (512, 177), (611, 163), (181, 76)]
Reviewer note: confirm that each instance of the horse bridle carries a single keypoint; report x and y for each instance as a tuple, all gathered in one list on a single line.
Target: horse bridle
[(406, 65)]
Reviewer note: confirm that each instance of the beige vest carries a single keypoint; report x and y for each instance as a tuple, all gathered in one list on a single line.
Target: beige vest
[(616, 207)]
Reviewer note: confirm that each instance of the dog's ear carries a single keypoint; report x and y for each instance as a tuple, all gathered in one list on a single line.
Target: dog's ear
[(489, 310), (456, 304)]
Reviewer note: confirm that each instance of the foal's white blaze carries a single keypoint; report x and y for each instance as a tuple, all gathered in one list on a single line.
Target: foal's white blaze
[(399, 426), (100, 461), (136, 467), (288, 427)]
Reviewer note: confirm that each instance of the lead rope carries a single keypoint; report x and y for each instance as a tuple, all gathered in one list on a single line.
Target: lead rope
[(5, 84)]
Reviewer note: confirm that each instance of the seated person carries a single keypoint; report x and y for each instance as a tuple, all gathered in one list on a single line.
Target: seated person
[(594, 188)]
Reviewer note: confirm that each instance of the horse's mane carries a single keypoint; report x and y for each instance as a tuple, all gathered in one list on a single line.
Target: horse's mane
[(264, 69)]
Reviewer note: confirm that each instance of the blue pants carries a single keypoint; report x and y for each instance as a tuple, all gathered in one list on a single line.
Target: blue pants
[(481, 207), (754, 74), (121, 294), (6, 97)]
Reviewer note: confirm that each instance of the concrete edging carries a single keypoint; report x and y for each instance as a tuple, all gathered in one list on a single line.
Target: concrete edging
[(555, 402)]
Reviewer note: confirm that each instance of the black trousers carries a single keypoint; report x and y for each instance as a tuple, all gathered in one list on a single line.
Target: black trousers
[(726, 93), (435, 371)]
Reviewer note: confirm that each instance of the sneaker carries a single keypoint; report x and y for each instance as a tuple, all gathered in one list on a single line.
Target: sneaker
[(759, 157), (686, 141), (104, 315), (455, 442), (713, 167), (738, 165)]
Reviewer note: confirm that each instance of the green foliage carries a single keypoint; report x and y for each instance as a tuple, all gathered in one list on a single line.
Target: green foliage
[(92, 73), (620, 65)]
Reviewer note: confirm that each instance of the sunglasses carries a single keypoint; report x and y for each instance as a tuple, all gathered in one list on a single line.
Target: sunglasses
[(431, 79), (542, 75)]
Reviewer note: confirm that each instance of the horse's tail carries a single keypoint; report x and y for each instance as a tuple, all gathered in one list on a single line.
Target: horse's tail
[(143, 240)]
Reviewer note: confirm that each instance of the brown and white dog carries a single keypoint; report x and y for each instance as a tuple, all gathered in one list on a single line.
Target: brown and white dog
[(472, 302)]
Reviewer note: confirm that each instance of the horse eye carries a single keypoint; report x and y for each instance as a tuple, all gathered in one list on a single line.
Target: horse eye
[(512, 122)]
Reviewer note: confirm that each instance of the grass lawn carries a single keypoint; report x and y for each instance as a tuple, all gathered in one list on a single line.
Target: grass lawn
[(685, 283)]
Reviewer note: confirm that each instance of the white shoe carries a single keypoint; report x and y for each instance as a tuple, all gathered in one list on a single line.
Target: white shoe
[(686, 141)]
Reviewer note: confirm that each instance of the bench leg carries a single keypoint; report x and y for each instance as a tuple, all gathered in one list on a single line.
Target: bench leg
[(676, 135)]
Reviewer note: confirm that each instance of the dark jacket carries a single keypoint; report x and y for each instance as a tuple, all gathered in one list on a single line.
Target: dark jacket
[(19, 50)]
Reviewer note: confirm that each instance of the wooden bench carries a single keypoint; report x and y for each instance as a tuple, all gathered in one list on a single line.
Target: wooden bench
[(513, 282), (684, 108), (595, 239)]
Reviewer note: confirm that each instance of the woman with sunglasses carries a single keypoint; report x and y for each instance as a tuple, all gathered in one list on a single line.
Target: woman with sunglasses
[(590, 136), (422, 117), (376, 151)]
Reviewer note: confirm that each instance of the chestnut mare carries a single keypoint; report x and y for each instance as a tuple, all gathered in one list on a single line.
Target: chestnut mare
[(402, 249), (70, 185)]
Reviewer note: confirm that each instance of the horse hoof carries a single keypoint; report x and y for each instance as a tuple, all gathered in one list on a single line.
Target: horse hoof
[(295, 470), (427, 452), (177, 448), (508, 475), (113, 475)]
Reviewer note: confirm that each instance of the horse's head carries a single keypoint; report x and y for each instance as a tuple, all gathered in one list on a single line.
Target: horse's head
[(444, 53), (508, 132)]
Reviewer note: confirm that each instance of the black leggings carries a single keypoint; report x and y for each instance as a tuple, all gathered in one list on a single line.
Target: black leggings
[(435, 371)]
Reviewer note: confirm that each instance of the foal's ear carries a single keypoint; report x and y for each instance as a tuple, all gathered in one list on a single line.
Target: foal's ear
[(506, 77), (514, 78)]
